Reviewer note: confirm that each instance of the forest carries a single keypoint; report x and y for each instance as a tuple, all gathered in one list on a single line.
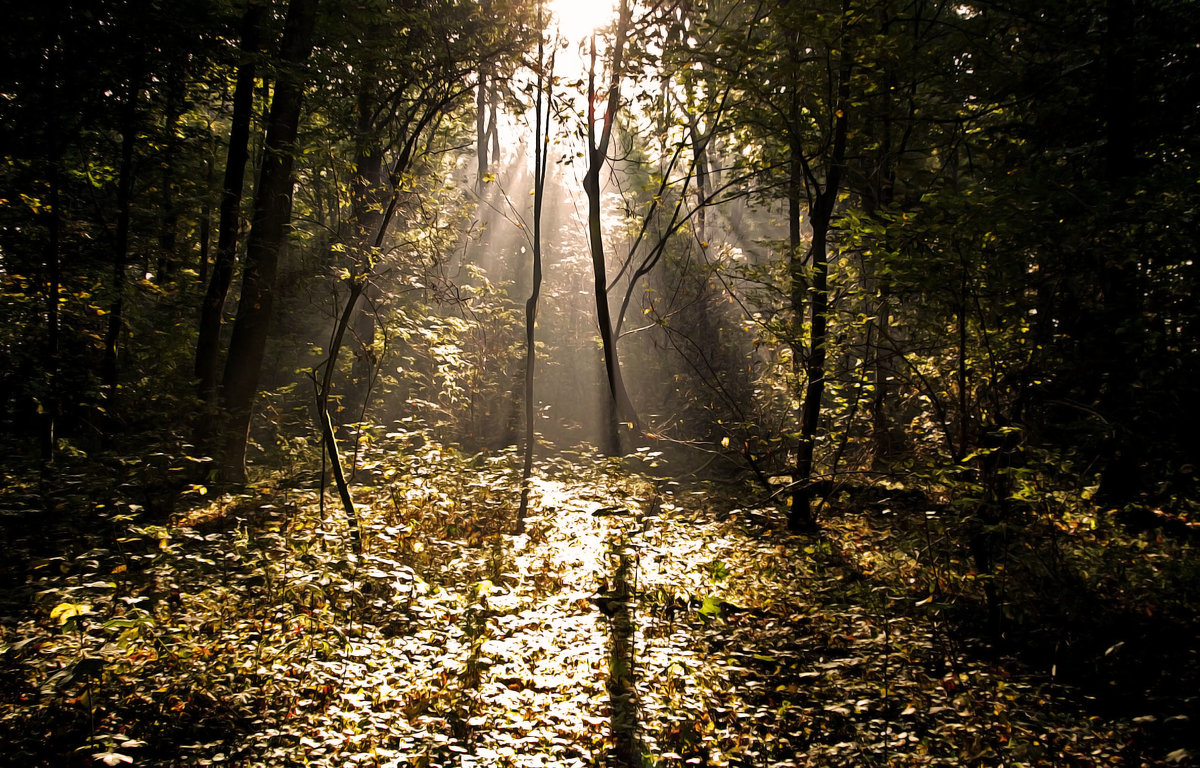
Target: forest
[(600, 383)]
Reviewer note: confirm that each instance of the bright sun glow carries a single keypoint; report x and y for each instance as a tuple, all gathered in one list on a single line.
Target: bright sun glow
[(578, 18)]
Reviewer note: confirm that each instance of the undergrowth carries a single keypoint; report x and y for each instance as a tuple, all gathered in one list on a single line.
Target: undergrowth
[(240, 630)]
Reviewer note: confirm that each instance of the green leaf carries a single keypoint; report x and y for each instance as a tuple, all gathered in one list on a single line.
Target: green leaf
[(711, 607)]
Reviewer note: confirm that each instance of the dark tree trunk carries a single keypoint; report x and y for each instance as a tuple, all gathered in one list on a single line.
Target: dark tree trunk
[(368, 190), (326, 420), (50, 402), (205, 233), (703, 184), (801, 515), (208, 341), (481, 135), (617, 406), (120, 257), (611, 437), (272, 212), (541, 146)]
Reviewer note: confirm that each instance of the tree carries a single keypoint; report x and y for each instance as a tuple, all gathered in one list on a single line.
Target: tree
[(272, 211), (617, 405), (543, 110), (793, 76)]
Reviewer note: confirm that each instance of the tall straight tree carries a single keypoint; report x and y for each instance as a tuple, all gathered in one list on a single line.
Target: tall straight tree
[(617, 406), (272, 213), (541, 149)]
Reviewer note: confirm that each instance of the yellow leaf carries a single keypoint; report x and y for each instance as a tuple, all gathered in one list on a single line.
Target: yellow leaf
[(64, 612)]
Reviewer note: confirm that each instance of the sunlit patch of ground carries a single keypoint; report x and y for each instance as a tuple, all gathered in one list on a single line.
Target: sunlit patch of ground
[(501, 662)]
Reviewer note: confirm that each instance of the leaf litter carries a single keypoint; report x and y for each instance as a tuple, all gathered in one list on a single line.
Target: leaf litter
[(244, 633)]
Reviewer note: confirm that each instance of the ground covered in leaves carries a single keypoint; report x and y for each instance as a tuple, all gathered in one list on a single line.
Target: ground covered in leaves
[(636, 620)]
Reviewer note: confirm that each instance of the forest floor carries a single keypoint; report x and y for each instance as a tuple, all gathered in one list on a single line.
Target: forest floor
[(636, 621)]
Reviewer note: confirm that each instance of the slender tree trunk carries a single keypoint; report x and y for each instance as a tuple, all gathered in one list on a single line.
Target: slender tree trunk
[(120, 258), (493, 129), (703, 185), (272, 212), (205, 233), (50, 403), (326, 421), (610, 419), (617, 406), (368, 191), (801, 515), (541, 148), (208, 341), (481, 134)]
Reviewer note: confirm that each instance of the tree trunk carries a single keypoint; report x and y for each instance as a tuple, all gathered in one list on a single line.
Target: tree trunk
[(481, 134), (617, 406), (272, 212), (801, 515), (50, 398), (367, 195), (541, 147), (326, 421), (703, 186), (205, 230), (229, 214), (120, 258)]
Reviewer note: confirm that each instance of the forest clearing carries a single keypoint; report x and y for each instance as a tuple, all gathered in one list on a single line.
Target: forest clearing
[(629, 383), (635, 622)]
